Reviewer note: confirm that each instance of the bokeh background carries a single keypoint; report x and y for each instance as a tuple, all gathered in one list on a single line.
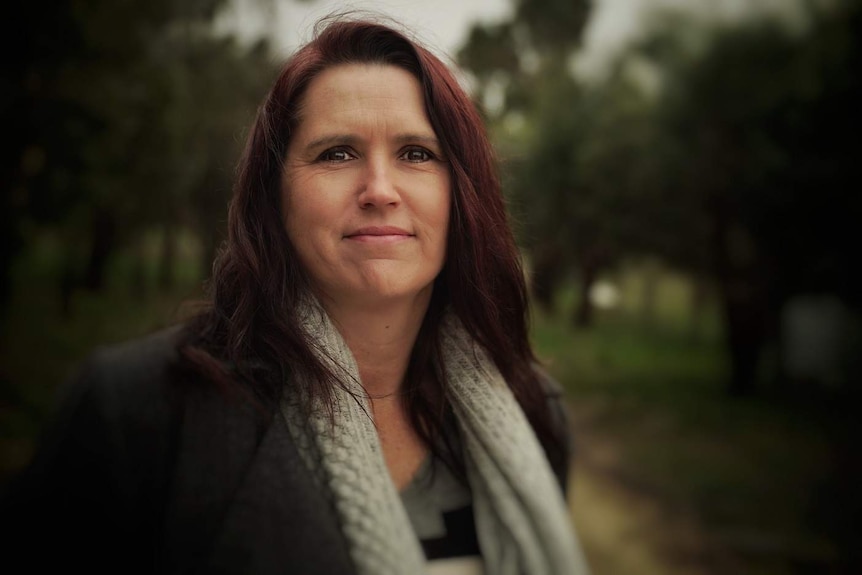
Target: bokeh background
[(684, 181)]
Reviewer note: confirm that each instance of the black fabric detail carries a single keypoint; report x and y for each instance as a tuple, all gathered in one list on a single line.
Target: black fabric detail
[(460, 539)]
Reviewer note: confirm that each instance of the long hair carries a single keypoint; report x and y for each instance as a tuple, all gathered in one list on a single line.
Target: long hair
[(250, 335)]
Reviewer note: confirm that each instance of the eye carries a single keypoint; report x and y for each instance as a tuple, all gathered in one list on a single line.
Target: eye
[(417, 155), (336, 155)]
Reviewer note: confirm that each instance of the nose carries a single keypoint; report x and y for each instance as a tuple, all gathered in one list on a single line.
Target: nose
[(378, 188)]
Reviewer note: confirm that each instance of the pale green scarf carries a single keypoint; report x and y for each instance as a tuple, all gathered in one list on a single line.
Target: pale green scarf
[(521, 517)]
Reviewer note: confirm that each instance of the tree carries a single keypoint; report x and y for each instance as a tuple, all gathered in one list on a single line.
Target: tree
[(762, 153), (523, 79), (584, 186), (118, 114)]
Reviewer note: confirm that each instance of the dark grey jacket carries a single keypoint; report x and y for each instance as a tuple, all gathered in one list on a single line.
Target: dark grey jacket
[(143, 472)]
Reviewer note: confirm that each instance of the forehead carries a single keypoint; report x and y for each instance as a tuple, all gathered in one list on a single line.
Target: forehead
[(352, 93)]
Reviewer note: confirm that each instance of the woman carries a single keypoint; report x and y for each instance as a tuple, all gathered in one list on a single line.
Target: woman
[(361, 397)]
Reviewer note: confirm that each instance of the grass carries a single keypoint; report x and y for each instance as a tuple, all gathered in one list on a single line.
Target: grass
[(752, 470), (40, 345), (757, 472)]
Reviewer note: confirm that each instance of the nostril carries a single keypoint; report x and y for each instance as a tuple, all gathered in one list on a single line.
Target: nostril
[(378, 192)]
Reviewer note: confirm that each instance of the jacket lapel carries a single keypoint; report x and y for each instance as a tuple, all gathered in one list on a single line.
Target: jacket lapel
[(242, 499), (280, 520)]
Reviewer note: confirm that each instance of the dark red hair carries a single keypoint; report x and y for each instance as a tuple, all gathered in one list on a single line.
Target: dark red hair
[(250, 333)]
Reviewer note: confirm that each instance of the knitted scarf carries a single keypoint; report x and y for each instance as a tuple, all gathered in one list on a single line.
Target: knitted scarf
[(521, 517)]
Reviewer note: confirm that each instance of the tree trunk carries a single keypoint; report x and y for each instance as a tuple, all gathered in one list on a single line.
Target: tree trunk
[(697, 307), (69, 282), (743, 301), (104, 236), (209, 251), (650, 277), (167, 275), (545, 277), (744, 324), (584, 311), (139, 270), (10, 246)]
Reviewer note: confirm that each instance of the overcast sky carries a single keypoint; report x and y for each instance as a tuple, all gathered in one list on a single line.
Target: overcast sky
[(443, 25)]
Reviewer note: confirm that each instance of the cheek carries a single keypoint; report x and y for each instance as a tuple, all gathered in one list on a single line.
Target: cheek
[(286, 207), (437, 202), (443, 223), (444, 213), (288, 217), (297, 223), (311, 228), (440, 221), (299, 210)]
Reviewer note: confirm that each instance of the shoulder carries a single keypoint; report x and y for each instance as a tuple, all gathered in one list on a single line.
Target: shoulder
[(105, 454), (144, 389), (146, 358), (124, 382), (123, 396), (551, 387), (555, 396), (560, 455), (135, 435)]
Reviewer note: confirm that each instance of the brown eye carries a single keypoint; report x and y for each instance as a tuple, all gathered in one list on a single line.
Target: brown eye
[(417, 155), (335, 155)]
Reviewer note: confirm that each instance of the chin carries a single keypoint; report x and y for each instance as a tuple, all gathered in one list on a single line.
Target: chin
[(390, 293)]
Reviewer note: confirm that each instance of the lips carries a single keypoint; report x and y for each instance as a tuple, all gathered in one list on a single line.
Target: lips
[(378, 234)]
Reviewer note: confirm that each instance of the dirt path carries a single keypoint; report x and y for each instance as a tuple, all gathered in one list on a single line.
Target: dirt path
[(626, 531)]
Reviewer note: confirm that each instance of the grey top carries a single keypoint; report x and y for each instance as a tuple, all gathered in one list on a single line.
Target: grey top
[(432, 492), (440, 510)]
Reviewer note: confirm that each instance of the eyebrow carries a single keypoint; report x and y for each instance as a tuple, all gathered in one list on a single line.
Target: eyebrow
[(352, 139), (420, 138)]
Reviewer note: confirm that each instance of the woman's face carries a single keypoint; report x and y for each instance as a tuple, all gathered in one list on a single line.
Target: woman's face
[(366, 190)]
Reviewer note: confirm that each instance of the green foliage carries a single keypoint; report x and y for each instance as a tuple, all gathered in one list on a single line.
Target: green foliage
[(758, 119), (41, 343), (723, 149), (553, 24), (524, 66), (510, 58), (649, 414), (125, 115)]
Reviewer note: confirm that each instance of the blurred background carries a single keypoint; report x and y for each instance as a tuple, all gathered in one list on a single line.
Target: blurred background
[(684, 181)]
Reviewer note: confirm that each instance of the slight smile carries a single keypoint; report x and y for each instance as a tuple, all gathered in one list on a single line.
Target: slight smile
[(378, 234)]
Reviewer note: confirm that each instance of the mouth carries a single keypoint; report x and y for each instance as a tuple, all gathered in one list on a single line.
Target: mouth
[(379, 234)]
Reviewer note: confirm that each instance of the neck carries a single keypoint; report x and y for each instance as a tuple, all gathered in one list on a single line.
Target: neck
[(381, 339)]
